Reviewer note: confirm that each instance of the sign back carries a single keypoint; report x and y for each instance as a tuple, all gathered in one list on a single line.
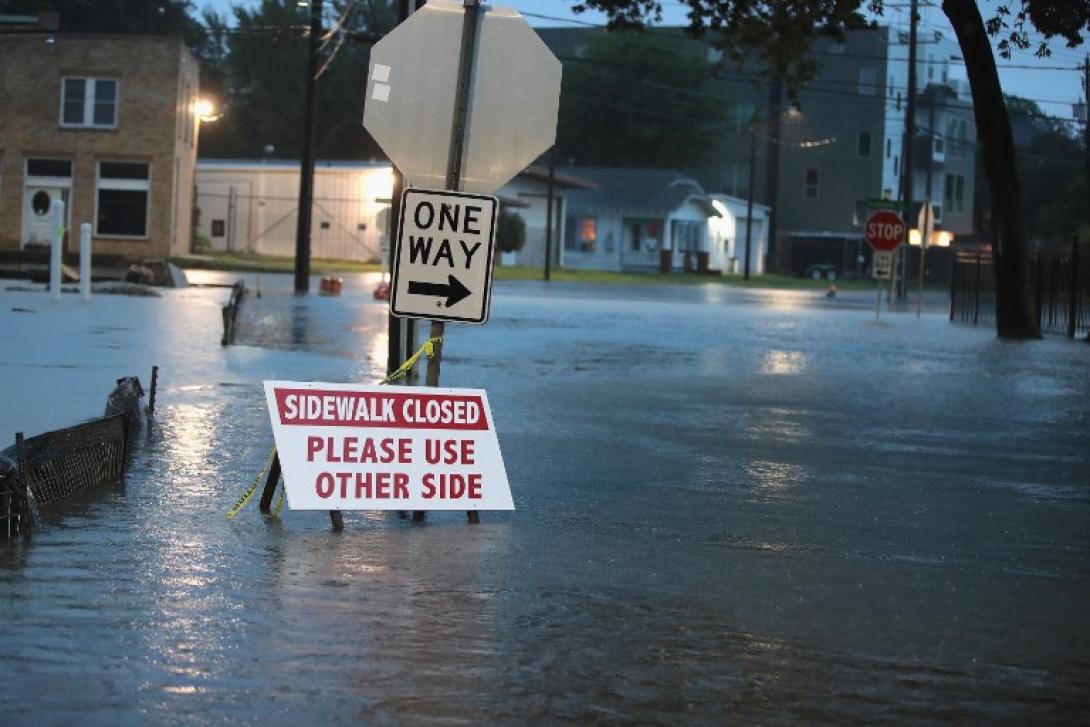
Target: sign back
[(356, 447)]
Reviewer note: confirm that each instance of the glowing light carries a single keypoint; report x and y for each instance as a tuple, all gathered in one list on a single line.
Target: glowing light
[(939, 238), (378, 185), (205, 110), (719, 207)]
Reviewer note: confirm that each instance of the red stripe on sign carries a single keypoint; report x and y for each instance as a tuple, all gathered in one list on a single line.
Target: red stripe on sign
[(316, 407)]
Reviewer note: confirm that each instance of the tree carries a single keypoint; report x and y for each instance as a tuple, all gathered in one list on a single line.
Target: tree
[(621, 105), (510, 232), (779, 32), (260, 63), (1050, 164), (148, 17)]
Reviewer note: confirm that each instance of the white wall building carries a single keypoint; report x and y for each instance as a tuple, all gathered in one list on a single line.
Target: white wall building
[(250, 206), (727, 236)]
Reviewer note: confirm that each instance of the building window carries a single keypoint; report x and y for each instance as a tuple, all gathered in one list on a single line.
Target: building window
[(860, 212), (954, 193), (868, 81), (582, 234), (896, 165), (810, 184), (49, 168), (89, 102), (687, 235), (863, 144), (898, 100), (121, 199), (938, 146), (889, 147)]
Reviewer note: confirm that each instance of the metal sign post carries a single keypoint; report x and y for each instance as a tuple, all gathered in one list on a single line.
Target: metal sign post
[(418, 108), (926, 225), (884, 232)]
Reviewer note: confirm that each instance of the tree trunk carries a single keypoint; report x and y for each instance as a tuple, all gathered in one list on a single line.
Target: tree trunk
[(1015, 316)]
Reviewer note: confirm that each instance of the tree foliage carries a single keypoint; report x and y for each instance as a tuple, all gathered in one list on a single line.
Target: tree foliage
[(259, 64), (1050, 165), (151, 17), (621, 104), (510, 231)]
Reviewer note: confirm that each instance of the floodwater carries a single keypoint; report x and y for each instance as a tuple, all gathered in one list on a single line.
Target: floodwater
[(733, 506)]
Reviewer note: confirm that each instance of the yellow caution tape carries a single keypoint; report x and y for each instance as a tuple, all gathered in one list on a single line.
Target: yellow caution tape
[(279, 503), (428, 349), (241, 502)]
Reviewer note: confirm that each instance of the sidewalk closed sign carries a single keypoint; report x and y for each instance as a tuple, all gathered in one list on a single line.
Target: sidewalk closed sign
[(349, 447)]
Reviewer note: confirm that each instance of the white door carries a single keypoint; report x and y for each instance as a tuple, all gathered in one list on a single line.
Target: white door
[(38, 203)]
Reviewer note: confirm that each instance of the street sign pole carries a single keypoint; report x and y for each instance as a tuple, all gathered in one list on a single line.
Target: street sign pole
[(457, 147), (306, 165), (454, 172), (926, 225)]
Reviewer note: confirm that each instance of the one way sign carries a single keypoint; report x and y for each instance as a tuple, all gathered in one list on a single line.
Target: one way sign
[(443, 263)]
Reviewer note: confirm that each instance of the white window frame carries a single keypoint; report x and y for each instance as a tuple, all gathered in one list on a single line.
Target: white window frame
[(132, 185), (90, 83), (857, 219)]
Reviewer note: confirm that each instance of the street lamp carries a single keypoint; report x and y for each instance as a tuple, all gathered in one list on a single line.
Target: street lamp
[(205, 110)]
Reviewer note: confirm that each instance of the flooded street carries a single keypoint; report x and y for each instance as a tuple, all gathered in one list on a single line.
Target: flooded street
[(732, 505)]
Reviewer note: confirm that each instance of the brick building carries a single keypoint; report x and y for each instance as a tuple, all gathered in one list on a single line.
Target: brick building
[(107, 123)]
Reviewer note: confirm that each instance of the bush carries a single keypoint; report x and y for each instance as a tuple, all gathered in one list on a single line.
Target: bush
[(510, 232)]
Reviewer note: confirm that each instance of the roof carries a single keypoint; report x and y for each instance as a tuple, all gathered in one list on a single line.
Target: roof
[(739, 202), (642, 191), (560, 179)]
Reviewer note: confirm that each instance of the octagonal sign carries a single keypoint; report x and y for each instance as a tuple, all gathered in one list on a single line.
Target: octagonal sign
[(884, 230), (411, 85)]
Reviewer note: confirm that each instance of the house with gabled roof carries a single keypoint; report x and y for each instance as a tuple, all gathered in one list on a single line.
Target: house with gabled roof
[(637, 219)]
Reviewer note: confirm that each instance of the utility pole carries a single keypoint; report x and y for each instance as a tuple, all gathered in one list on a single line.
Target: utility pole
[(400, 334), (306, 167), (910, 133), (549, 215), (772, 162), (749, 197), (1086, 120)]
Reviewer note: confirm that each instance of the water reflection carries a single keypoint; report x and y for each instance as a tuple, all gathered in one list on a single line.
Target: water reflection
[(770, 481), (783, 363)]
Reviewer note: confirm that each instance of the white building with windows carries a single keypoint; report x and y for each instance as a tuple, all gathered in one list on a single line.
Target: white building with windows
[(106, 124), (637, 219)]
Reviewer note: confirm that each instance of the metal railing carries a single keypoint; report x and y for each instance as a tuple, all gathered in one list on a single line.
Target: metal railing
[(1062, 289)]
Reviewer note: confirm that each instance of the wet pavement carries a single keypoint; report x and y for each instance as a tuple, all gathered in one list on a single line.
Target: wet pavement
[(733, 505)]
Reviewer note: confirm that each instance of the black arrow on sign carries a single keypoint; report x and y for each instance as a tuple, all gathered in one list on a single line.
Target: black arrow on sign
[(452, 290)]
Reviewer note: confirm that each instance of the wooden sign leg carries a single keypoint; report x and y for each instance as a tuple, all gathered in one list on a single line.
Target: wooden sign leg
[(270, 485), (337, 520)]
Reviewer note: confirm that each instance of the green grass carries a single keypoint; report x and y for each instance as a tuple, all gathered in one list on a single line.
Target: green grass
[(244, 262), (326, 266), (603, 276)]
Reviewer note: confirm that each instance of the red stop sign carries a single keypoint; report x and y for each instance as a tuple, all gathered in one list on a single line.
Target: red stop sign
[(884, 230)]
